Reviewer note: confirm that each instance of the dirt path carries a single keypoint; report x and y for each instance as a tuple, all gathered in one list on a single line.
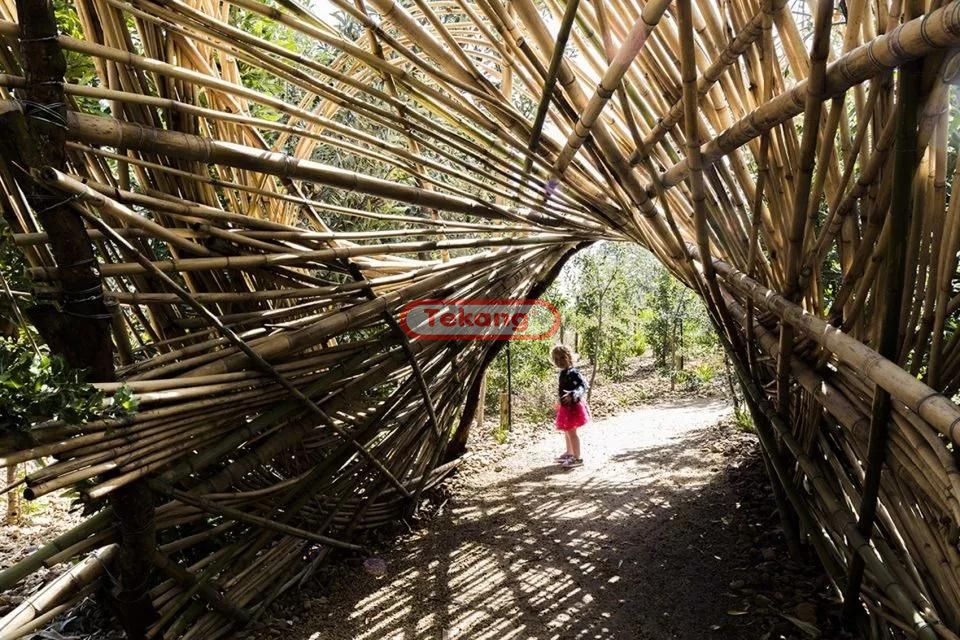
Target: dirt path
[(645, 541)]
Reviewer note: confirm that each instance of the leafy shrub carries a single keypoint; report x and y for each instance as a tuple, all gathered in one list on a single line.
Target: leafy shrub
[(704, 373), (639, 346), (542, 408), (531, 367), (35, 387), (686, 379), (743, 420)]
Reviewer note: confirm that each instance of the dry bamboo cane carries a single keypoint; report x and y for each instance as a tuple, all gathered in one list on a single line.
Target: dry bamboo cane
[(819, 52), (905, 155), (56, 591), (235, 33), (839, 209), (737, 47), (550, 82), (444, 103), (631, 47), (910, 41), (767, 52), (106, 131), (920, 626), (235, 514), (933, 407), (239, 343), (249, 262)]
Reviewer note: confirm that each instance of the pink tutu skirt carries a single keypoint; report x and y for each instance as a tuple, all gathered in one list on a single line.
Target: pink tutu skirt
[(572, 416)]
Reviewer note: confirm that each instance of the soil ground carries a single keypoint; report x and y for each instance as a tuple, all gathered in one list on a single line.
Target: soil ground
[(668, 531)]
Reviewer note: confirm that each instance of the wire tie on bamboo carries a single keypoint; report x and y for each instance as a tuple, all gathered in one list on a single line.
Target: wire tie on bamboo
[(80, 263), (58, 202), (45, 112), (82, 296), (88, 316)]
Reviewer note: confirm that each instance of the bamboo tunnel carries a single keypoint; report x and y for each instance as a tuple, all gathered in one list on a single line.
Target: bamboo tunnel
[(257, 190)]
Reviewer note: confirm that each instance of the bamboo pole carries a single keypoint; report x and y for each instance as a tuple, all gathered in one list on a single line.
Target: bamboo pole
[(893, 280), (819, 51), (631, 47), (914, 39), (238, 342)]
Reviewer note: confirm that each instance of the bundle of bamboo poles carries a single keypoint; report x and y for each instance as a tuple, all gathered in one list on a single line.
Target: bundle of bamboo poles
[(238, 198)]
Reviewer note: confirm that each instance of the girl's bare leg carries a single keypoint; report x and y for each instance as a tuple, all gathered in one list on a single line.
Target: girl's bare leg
[(566, 438), (573, 443)]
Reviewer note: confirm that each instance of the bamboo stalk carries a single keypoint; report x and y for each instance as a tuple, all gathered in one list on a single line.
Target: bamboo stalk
[(631, 47), (893, 279), (819, 51), (914, 39), (235, 514)]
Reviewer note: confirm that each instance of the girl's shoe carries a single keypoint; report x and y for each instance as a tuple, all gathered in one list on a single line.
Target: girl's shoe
[(562, 457), (571, 462)]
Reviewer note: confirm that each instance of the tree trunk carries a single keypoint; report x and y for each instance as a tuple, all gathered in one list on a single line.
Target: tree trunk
[(80, 327), (504, 410), (482, 403), (596, 351), (13, 497)]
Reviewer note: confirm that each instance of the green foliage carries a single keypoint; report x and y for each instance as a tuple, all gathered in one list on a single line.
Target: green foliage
[(12, 263), (607, 282), (704, 373), (668, 305), (695, 378), (743, 420), (35, 387), (620, 303), (677, 326), (639, 346), (125, 403), (529, 359), (685, 379), (533, 372), (80, 68)]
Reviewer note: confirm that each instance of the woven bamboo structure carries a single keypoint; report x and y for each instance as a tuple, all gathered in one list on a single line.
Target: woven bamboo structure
[(188, 230)]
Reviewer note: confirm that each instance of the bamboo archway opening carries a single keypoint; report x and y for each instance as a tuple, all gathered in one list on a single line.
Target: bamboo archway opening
[(223, 206)]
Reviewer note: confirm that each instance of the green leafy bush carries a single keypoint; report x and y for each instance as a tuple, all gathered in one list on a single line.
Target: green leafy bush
[(529, 360), (743, 420), (704, 373), (35, 387), (639, 346)]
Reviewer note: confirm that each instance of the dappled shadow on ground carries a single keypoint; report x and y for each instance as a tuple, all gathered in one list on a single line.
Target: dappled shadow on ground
[(634, 545)]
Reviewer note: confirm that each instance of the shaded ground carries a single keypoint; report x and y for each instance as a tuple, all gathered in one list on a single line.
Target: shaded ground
[(668, 531)]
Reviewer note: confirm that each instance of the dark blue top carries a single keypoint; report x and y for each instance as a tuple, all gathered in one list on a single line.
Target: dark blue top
[(571, 381)]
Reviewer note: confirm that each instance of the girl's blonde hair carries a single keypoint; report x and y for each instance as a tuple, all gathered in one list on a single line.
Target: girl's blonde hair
[(562, 356)]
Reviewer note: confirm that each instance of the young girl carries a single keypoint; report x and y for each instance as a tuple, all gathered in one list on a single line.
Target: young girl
[(572, 412)]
